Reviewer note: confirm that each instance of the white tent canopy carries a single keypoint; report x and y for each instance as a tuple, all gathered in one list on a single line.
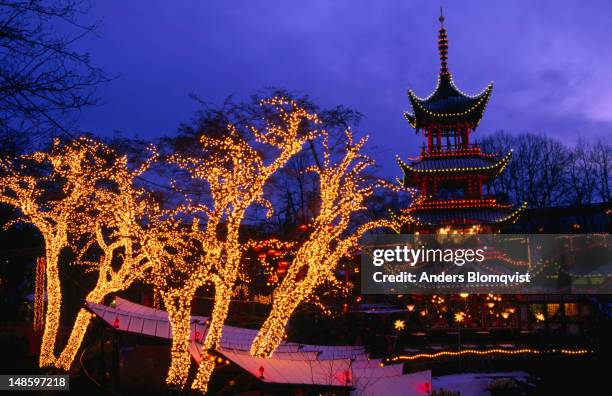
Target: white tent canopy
[(293, 371), (291, 363)]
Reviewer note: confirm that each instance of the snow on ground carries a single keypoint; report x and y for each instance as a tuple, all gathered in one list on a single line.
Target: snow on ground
[(473, 384)]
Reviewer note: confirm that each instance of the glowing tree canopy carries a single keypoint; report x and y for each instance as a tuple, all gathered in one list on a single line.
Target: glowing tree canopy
[(53, 191)]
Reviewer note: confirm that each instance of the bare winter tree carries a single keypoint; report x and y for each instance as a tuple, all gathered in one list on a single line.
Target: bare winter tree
[(504, 185), (601, 157), (552, 178), (537, 173), (582, 175), (545, 172), (44, 81)]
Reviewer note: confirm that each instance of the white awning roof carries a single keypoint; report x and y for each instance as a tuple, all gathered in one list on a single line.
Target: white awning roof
[(139, 319), (414, 384), (378, 371), (293, 371), (291, 363)]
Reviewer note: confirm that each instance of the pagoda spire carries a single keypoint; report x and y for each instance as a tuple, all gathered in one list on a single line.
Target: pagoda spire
[(447, 108), (443, 46)]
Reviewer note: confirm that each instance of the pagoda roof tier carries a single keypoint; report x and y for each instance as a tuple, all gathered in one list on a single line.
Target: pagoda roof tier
[(447, 105), (485, 165), (467, 216)]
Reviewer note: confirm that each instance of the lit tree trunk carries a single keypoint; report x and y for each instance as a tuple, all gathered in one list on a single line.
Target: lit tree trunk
[(79, 329), (178, 305), (74, 342), (223, 296), (272, 331), (207, 366), (52, 316)]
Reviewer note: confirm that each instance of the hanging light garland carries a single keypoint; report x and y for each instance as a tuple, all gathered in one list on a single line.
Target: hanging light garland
[(486, 352)]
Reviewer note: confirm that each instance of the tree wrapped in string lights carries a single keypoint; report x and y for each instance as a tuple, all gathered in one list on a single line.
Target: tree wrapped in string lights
[(343, 191), (53, 191), (120, 207), (235, 168), (236, 172), (179, 268)]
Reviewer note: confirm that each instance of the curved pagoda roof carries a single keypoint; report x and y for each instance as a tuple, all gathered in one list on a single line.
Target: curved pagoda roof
[(447, 105), (468, 215), (487, 166)]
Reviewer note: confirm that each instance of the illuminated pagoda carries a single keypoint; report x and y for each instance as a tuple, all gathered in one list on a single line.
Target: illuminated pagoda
[(450, 171)]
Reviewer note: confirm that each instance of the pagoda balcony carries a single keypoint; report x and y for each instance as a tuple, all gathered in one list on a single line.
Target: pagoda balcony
[(445, 151), (461, 197), (485, 202)]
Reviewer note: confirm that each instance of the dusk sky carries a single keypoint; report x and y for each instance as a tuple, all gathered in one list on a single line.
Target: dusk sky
[(550, 62)]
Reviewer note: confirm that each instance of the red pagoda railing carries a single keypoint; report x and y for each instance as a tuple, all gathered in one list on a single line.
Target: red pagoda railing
[(454, 151), (463, 204)]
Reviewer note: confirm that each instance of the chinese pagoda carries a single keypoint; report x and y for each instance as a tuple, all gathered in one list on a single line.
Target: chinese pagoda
[(450, 171)]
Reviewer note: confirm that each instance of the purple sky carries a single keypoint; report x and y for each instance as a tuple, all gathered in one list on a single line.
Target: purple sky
[(550, 62)]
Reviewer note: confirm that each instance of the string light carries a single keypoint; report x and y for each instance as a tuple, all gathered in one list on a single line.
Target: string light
[(464, 203), (498, 167), (573, 275), (478, 106), (510, 219), (494, 351), (39, 294), (459, 152)]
